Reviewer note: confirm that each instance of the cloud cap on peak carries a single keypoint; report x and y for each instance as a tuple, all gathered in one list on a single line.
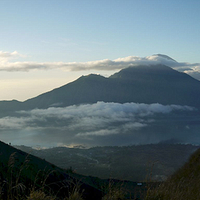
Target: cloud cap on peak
[(99, 65), (163, 56)]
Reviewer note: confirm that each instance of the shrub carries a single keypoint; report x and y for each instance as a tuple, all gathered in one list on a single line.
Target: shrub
[(39, 195)]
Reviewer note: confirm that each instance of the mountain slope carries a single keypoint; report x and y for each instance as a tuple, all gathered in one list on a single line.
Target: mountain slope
[(159, 84), (86, 89), (19, 169), (141, 84)]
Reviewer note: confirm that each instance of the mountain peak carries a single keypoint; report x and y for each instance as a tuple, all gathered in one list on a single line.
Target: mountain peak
[(92, 77), (138, 72)]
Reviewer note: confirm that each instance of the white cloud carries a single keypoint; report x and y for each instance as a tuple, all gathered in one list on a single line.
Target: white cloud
[(6, 56), (107, 110), (91, 119), (13, 122), (106, 64), (112, 123), (102, 132)]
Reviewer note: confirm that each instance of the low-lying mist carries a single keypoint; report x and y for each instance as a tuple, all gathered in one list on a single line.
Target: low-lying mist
[(102, 124)]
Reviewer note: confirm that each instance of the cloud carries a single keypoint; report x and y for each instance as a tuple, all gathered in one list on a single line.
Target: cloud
[(98, 124), (90, 117), (194, 71), (13, 123), (6, 56), (100, 65)]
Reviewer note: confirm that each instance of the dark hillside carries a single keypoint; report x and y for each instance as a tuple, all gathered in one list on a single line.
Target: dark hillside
[(184, 184), (21, 172)]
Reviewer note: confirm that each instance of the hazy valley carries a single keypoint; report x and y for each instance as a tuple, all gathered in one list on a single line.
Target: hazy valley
[(155, 162)]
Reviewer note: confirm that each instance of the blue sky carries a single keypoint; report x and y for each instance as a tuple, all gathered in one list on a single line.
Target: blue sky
[(52, 31)]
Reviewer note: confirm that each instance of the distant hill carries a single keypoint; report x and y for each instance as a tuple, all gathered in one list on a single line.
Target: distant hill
[(140, 84)]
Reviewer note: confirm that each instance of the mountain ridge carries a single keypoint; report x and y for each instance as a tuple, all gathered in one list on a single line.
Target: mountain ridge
[(140, 84)]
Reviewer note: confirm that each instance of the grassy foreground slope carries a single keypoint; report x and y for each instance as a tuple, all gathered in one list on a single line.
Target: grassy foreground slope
[(21, 174), (184, 184), (27, 177)]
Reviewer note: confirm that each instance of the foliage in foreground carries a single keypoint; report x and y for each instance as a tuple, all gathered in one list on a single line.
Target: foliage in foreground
[(16, 183), (184, 184)]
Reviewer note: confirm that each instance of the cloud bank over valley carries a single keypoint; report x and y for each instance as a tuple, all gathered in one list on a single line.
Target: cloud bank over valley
[(94, 124)]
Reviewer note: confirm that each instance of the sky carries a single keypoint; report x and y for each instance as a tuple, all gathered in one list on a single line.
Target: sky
[(46, 44)]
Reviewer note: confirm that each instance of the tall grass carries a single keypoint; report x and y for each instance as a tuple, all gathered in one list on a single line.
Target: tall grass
[(16, 185), (74, 191), (182, 185), (113, 191), (39, 195), (11, 187)]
